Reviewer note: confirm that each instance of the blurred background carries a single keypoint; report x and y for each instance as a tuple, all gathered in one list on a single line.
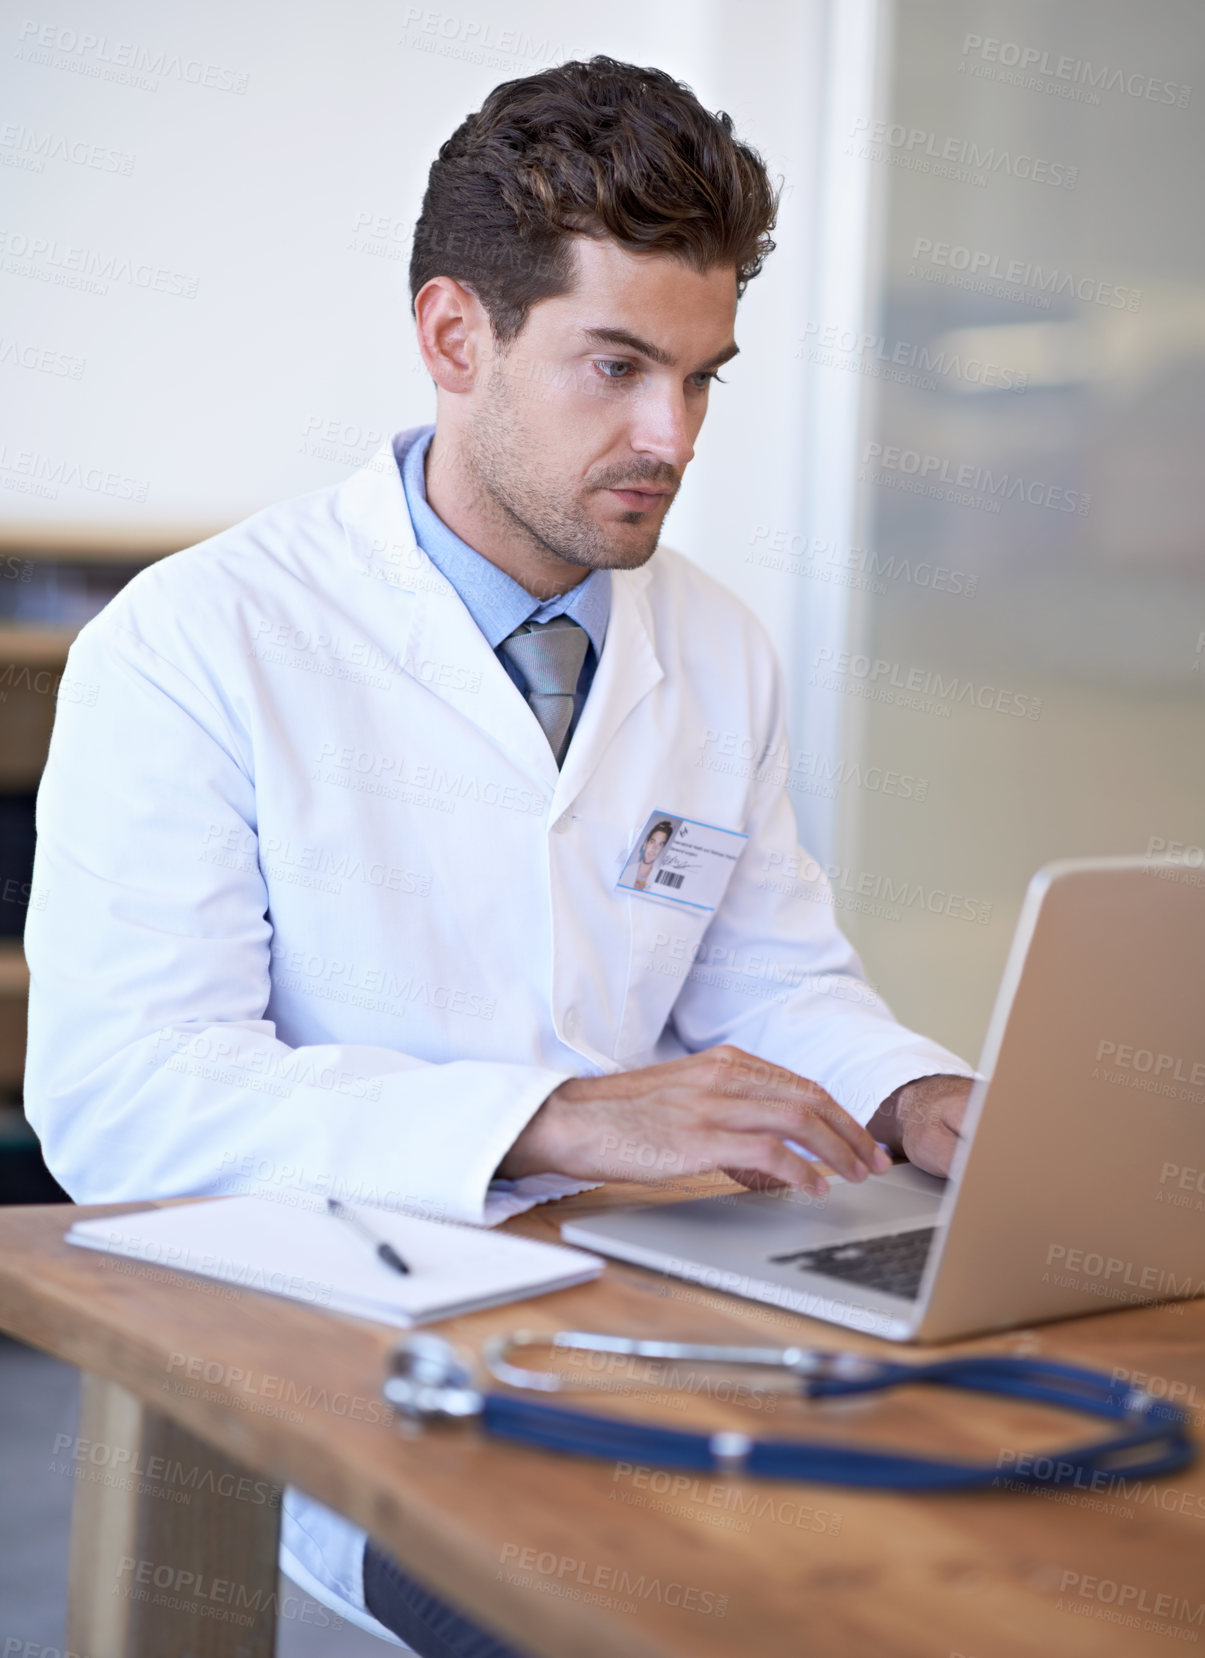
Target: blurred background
[(957, 467)]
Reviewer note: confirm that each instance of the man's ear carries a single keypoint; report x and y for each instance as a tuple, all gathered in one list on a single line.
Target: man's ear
[(452, 327)]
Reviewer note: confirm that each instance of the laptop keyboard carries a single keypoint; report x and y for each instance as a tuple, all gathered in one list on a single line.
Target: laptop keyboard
[(895, 1263)]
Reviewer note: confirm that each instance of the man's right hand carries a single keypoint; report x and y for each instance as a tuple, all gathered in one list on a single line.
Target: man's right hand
[(720, 1109)]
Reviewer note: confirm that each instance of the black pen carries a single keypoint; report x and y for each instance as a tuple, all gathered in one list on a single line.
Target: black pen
[(385, 1251)]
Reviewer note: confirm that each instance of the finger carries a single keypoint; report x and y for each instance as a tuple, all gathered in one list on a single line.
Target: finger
[(932, 1138), (756, 1181), (932, 1149), (953, 1112), (764, 1156), (857, 1145), (781, 1093), (818, 1130)]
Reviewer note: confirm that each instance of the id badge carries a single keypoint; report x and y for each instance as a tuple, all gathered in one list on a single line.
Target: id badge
[(682, 860)]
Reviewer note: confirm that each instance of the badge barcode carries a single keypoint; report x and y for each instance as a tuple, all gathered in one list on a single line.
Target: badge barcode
[(668, 879)]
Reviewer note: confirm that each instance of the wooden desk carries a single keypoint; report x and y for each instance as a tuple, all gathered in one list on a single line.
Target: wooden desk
[(565, 1556)]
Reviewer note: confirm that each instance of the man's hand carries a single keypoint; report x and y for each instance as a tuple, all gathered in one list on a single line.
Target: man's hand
[(923, 1120), (720, 1109)]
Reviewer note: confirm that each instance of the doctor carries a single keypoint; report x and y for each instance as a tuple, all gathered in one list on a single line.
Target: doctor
[(330, 839)]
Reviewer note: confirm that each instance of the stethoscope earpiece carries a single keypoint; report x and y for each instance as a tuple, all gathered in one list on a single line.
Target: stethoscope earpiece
[(427, 1380)]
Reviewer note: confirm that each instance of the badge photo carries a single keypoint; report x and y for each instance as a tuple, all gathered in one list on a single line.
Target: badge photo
[(681, 860)]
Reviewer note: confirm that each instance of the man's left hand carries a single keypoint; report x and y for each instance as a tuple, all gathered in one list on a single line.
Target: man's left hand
[(923, 1120)]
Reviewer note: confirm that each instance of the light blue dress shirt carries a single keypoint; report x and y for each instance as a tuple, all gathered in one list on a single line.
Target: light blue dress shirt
[(495, 601)]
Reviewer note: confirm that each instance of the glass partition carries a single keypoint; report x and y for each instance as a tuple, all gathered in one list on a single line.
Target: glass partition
[(1028, 680)]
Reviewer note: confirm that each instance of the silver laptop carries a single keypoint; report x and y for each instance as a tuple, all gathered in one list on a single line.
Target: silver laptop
[(1079, 1184)]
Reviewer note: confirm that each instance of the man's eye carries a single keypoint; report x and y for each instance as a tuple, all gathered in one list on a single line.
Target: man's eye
[(603, 363)]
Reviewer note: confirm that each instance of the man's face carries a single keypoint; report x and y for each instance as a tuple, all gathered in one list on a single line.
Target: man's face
[(566, 419), (655, 845)]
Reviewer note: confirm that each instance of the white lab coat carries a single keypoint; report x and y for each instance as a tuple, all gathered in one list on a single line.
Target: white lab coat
[(312, 906)]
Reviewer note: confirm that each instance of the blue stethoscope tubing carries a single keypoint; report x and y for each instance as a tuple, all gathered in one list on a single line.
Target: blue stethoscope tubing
[(1155, 1440)]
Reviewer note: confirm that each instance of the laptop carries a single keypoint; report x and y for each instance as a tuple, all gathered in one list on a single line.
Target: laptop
[(1079, 1182)]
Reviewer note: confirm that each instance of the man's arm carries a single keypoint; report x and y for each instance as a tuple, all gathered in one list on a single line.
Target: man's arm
[(152, 1070), (775, 977)]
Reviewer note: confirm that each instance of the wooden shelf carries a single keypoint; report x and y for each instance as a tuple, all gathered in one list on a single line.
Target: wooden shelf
[(14, 994), (35, 646), (14, 974), (83, 544), (32, 660)]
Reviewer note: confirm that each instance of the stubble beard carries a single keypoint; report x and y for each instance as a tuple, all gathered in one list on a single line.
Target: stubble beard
[(503, 455)]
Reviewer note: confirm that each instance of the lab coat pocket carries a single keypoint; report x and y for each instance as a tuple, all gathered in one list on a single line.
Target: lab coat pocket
[(664, 937)]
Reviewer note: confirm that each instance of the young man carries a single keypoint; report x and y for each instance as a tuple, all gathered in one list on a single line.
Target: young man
[(331, 858)]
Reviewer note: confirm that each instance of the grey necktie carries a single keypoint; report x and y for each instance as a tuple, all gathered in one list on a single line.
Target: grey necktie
[(549, 655)]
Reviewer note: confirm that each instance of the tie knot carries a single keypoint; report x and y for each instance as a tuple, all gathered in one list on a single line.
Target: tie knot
[(549, 655)]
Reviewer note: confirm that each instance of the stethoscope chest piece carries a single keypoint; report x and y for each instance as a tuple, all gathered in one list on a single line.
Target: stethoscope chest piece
[(427, 1380)]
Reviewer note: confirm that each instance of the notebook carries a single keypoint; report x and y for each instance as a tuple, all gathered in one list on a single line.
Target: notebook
[(312, 1256)]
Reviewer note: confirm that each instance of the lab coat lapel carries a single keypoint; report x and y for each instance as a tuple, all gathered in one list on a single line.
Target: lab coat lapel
[(448, 652), (430, 631), (627, 671)]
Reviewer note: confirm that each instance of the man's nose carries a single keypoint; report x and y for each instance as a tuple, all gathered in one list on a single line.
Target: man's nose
[(665, 429)]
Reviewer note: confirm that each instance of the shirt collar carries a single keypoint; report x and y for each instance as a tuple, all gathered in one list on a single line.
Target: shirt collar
[(495, 601)]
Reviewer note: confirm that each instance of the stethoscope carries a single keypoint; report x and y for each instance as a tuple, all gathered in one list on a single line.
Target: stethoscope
[(428, 1381)]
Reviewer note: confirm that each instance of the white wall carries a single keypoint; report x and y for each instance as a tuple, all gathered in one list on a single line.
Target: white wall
[(264, 165)]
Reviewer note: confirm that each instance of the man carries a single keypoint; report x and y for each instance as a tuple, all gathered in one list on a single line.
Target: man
[(332, 855)]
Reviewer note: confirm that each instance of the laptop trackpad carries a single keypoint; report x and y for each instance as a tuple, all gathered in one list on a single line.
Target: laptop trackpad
[(891, 1202)]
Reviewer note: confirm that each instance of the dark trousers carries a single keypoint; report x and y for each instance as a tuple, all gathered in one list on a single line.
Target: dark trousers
[(430, 1626)]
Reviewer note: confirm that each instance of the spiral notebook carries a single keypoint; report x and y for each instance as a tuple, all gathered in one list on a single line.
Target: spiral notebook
[(308, 1255)]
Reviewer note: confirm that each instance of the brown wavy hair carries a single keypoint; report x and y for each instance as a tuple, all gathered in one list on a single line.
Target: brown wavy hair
[(599, 148)]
